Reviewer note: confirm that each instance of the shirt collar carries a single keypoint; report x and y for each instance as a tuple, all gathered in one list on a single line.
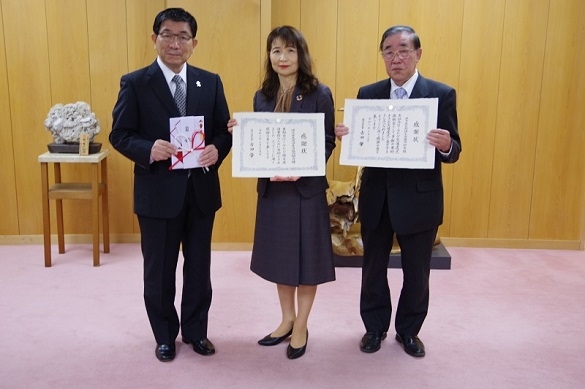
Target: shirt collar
[(408, 86), (169, 74)]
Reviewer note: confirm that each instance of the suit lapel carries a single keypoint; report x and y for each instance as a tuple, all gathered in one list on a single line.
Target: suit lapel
[(420, 89), (296, 104), (383, 92), (195, 88), (157, 82)]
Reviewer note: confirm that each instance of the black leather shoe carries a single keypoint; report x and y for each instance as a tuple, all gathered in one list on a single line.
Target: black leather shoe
[(372, 341), (272, 341), (164, 352), (294, 353), (201, 346), (412, 345)]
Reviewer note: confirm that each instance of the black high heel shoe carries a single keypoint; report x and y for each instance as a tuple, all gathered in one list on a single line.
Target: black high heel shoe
[(273, 341), (294, 353)]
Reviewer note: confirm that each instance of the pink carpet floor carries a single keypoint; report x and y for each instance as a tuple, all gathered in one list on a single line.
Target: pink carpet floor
[(499, 318)]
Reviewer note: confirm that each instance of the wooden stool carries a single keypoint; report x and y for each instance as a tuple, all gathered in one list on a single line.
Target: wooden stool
[(74, 190)]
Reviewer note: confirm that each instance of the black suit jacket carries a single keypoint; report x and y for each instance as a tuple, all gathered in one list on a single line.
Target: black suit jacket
[(319, 100), (141, 116), (415, 196)]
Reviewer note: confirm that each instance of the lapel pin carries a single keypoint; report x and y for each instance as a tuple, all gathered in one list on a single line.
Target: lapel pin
[(198, 84), (299, 97)]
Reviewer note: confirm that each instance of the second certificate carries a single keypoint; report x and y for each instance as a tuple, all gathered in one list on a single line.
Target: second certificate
[(389, 133), (269, 144)]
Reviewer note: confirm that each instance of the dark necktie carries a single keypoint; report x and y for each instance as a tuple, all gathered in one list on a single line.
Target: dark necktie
[(180, 97)]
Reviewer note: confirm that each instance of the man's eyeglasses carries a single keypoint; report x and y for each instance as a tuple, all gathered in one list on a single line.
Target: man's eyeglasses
[(167, 37), (402, 54)]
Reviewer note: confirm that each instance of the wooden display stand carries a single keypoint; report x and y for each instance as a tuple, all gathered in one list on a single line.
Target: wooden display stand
[(79, 191)]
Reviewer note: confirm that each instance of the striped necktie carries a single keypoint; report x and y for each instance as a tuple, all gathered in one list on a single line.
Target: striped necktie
[(180, 97)]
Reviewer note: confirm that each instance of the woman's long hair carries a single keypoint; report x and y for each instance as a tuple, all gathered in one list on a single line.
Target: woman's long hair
[(291, 37)]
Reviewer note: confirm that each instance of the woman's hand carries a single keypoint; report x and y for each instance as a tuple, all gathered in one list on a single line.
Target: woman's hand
[(231, 124), (341, 130), (284, 179)]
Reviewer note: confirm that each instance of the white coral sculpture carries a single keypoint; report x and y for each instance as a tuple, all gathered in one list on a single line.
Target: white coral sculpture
[(67, 122)]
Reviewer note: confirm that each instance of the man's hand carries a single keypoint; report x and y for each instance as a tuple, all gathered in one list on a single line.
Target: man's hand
[(209, 156), (440, 138), (162, 150)]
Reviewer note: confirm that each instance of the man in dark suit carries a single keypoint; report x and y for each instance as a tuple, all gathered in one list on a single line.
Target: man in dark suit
[(174, 207), (405, 202)]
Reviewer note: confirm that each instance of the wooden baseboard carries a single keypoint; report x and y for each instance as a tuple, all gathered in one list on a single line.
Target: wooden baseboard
[(513, 243), (114, 238), (246, 246), (69, 238)]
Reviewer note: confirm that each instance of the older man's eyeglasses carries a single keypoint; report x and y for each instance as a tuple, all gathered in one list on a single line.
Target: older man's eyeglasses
[(402, 54), (167, 37)]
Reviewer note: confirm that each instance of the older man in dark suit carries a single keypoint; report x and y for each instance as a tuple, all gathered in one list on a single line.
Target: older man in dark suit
[(174, 207), (405, 202)]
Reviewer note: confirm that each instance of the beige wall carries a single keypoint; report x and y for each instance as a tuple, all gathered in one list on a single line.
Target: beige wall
[(520, 181)]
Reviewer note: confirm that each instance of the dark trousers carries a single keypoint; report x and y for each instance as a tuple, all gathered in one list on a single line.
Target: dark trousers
[(160, 241), (375, 303)]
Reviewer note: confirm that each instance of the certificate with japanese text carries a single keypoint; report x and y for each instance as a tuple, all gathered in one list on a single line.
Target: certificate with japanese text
[(389, 133), (188, 134), (268, 144)]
